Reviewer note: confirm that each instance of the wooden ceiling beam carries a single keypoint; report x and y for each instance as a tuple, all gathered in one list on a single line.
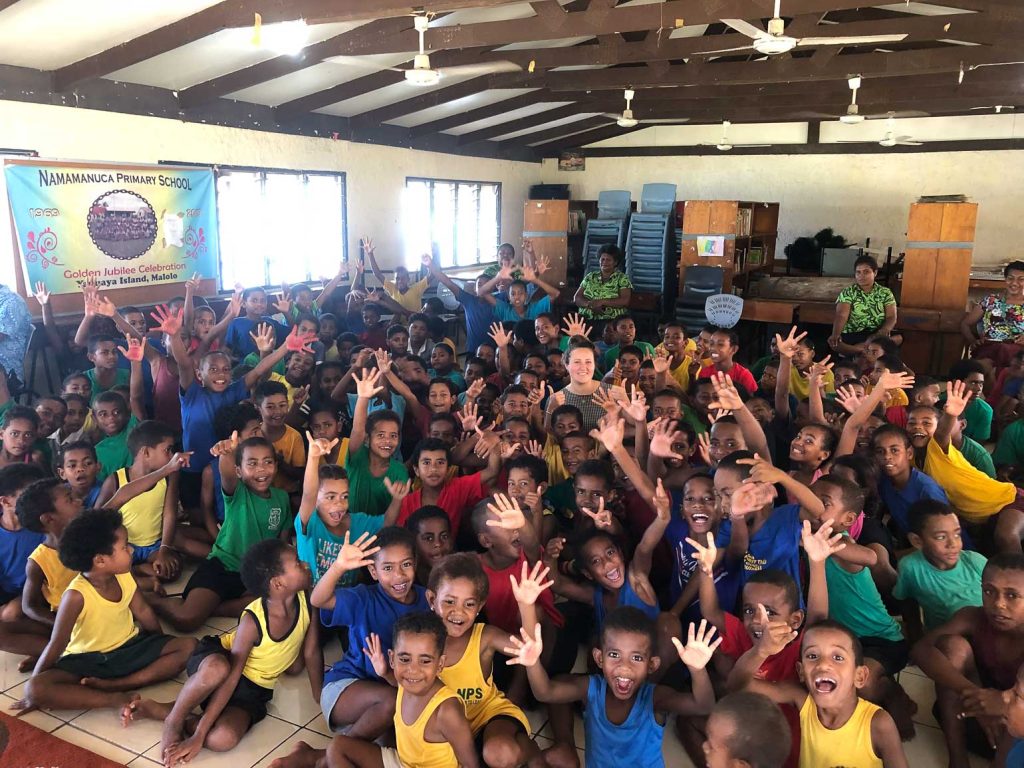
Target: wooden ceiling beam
[(482, 113), (4, 4)]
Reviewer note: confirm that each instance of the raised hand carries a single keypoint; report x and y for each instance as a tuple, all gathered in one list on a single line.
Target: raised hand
[(699, 647), (105, 306), (749, 498), (357, 554), (636, 409), (375, 653), (663, 436), (727, 397), (602, 517), (536, 395), (300, 395), (704, 554), (486, 442), (468, 416), (508, 450), (384, 362), (787, 346), (178, 461), (283, 305), (42, 295), (526, 651), (427, 261), (474, 390), (541, 264), (367, 246), (821, 544), (192, 284), (575, 326), (528, 272), (320, 446), (610, 432), (775, 633), (510, 516), (957, 396), (263, 338), (531, 583), (398, 489), (603, 397), (553, 549), (848, 398), (167, 322), (762, 471), (366, 386), (896, 380), (534, 449), (225, 447), (502, 338), (293, 342), (704, 448), (662, 360), (662, 503), (234, 306), (819, 368), (136, 348)]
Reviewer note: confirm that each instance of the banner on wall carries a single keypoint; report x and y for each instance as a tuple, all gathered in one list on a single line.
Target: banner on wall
[(124, 226)]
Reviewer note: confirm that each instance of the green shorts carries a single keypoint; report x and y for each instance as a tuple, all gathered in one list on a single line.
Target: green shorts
[(138, 653)]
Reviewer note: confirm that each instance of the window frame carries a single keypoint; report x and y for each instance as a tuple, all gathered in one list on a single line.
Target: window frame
[(481, 258), (264, 171)]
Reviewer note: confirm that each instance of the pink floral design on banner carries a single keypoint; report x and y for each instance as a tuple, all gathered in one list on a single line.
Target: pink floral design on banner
[(37, 246), (195, 242)]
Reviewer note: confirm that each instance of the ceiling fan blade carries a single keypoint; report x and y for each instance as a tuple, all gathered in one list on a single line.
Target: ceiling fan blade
[(724, 50), (857, 40), (666, 121), (611, 115), (751, 145), (483, 68), (818, 115), (745, 28), (907, 113), (909, 143), (359, 63)]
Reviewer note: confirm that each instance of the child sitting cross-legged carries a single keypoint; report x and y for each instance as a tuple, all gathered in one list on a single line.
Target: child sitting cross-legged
[(835, 722), (232, 676), (16, 543), (97, 654), (623, 712)]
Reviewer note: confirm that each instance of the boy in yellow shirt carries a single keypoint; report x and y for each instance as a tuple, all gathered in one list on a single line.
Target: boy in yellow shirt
[(96, 653)]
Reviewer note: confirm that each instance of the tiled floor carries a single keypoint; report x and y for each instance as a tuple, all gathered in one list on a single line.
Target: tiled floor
[(294, 716)]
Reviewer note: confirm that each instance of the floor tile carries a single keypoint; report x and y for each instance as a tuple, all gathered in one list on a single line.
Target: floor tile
[(9, 674), (922, 691), (40, 720), (65, 715), (94, 744), (293, 701), (140, 735), (315, 740), (144, 762), (319, 725), (332, 652), (221, 623), (256, 744)]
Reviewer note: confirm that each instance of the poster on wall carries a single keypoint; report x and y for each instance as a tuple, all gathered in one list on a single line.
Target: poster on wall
[(122, 225)]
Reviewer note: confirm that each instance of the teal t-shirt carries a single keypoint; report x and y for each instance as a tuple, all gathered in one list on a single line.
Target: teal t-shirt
[(366, 492), (249, 519), (978, 457), (121, 379), (613, 353), (112, 452), (940, 593), (318, 547), (1010, 448), (854, 602)]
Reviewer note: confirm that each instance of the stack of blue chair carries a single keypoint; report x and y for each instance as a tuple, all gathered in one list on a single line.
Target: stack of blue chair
[(609, 228), (650, 251)]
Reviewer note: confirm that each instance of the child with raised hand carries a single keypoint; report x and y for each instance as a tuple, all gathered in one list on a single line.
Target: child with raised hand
[(745, 730), (96, 653), (232, 676), (324, 521), (623, 712), (354, 699), (146, 494), (240, 338), (244, 419), (834, 719), (973, 659), (253, 510)]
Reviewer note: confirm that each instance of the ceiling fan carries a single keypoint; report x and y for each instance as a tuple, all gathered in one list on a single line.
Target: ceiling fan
[(724, 145), (626, 119), (891, 139), (422, 73), (776, 41), (997, 107), (852, 116)]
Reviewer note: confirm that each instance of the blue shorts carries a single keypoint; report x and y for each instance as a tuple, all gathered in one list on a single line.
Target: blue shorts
[(142, 554), (329, 695)]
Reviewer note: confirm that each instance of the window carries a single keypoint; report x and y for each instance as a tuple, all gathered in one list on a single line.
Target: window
[(460, 221), (279, 226)]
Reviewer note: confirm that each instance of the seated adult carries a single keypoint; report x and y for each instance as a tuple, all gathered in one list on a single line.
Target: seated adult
[(863, 310), (1001, 319), (605, 293)]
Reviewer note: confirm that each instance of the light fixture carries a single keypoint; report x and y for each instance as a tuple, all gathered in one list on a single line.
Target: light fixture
[(853, 115), (422, 74), (286, 38)]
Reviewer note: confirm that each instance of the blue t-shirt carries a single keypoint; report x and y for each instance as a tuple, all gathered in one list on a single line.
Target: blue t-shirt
[(479, 316), (627, 598), (776, 545), (920, 486), (15, 547), (319, 548), (240, 342), (453, 376), (1016, 757), (364, 609), (198, 407), (504, 313), (636, 742), (94, 493)]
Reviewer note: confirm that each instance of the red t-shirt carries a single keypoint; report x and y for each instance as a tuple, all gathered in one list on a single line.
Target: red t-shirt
[(781, 666), (458, 495), (502, 609), (740, 376), (897, 415)]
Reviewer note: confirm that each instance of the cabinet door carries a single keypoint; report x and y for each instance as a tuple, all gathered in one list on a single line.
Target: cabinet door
[(546, 216)]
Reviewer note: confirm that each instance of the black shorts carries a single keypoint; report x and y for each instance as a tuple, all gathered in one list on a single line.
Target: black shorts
[(214, 576), (857, 338), (138, 653), (190, 488), (891, 654), (247, 696), (478, 740)]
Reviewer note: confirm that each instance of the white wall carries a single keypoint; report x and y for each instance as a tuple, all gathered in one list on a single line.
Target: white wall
[(858, 196), (375, 174)]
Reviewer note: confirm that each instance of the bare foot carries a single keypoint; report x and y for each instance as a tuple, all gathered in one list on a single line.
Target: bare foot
[(170, 737), (303, 756), (27, 664), (139, 708), (101, 684)]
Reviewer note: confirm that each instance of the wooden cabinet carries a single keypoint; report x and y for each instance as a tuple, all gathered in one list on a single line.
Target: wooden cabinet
[(546, 226)]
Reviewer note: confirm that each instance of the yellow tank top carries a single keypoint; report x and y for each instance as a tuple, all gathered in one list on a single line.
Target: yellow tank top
[(849, 744), (102, 626), (481, 697), (144, 515), (270, 657), (54, 571), (413, 749), (973, 494)]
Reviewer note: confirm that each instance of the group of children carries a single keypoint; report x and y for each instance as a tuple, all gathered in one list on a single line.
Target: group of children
[(759, 551)]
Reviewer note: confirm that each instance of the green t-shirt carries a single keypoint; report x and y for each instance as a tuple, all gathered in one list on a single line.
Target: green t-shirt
[(979, 420), (1010, 448), (366, 493), (112, 452), (561, 498), (940, 593), (121, 379), (867, 310), (613, 353), (594, 288), (253, 359), (249, 519), (853, 601), (978, 457)]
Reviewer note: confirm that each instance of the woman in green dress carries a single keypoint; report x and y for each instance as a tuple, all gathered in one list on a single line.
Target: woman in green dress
[(605, 293), (863, 310)]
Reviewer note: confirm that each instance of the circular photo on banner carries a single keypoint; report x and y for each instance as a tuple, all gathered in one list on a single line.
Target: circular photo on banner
[(122, 224)]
